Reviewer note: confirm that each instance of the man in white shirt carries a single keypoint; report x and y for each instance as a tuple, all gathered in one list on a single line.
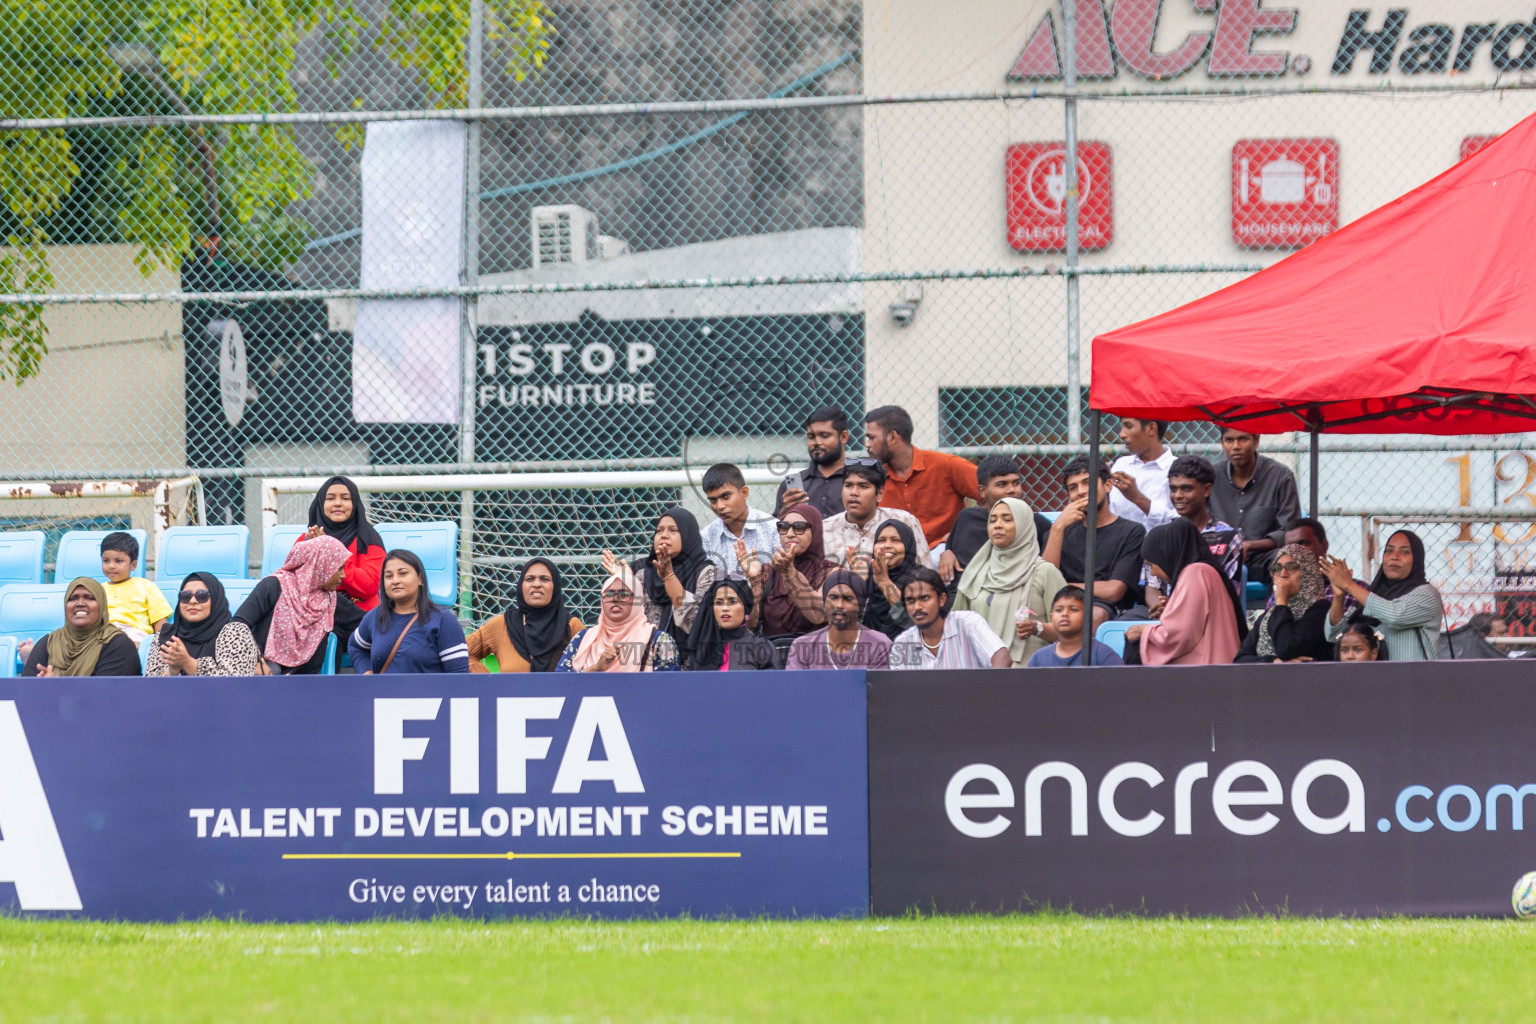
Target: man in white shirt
[(1140, 479), (940, 638), (855, 527), (736, 524)]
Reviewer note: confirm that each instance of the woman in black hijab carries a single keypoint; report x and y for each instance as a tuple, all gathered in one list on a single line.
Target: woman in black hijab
[(890, 569), (674, 575), (201, 639), (1401, 599), (533, 632), (720, 640), (1174, 547), (337, 511)]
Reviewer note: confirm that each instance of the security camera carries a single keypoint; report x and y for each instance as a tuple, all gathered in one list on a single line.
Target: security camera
[(903, 312)]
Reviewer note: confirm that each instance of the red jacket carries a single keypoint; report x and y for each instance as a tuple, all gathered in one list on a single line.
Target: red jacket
[(360, 576)]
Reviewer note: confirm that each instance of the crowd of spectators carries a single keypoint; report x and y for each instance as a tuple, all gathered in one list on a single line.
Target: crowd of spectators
[(907, 559)]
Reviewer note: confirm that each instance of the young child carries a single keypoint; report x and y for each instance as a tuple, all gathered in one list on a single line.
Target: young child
[(134, 605), (1361, 642), (1067, 651)]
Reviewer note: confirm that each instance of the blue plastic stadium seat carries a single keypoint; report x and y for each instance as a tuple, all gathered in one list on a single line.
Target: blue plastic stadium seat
[(1112, 634), (8, 666), (236, 591), (1256, 593), (144, 646), (21, 556), (1052, 516), (328, 666), (278, 542), (80, 554), (29, 611), (437, 545), (221, 550)]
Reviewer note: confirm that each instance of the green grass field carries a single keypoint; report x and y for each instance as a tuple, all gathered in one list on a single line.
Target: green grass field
[(1055, 968)]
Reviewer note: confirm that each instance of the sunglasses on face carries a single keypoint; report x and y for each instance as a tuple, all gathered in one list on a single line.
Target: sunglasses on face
[(194, 597), (800, 529), (862, 462)]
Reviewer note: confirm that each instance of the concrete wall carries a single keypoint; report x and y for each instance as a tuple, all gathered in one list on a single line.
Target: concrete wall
[(109, 397)]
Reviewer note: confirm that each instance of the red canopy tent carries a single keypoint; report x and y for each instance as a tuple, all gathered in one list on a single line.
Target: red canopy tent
[(1419, 317)]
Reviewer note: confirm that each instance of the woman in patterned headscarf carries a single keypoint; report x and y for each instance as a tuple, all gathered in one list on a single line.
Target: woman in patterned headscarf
[(1295, 629)]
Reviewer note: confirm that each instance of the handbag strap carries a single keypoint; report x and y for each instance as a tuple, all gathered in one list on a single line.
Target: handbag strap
[(392, 650)]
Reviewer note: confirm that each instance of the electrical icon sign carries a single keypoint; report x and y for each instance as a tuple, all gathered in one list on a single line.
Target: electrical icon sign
[(1037, 196), (1285, 192)]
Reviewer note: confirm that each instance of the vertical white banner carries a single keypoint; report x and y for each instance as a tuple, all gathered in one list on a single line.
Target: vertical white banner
[(405, 354)]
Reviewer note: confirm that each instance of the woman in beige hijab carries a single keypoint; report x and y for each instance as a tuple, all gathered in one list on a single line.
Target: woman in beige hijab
[(1009, 584), (87, 644)]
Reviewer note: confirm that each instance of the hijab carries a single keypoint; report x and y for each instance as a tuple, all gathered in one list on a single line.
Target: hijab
[(305, 611), (780, 612), (200, 637), (1310, 587), (632, 633), (539, 635), (357, 528), (686, 564), (998, 580), (877, 613), (710, 643), (73, 651), (1391, 590), (969, 535), (1174, 547)]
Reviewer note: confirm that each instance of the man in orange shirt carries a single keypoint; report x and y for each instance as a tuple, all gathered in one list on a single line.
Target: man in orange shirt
[(932, 486)]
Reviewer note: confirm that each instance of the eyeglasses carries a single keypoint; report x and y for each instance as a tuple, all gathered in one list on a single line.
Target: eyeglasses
[(1285, 567), (800, 529), (618, 595), (861, 462), (194, 597)]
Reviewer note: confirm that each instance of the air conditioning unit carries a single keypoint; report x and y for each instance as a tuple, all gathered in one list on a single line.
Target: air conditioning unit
[(563, 236)]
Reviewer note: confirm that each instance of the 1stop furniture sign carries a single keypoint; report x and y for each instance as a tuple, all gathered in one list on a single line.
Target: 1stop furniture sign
[(1037, 196), (1285, 192)]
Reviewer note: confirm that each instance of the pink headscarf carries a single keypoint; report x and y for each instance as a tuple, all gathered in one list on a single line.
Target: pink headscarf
[(305, 611), (630, 630)]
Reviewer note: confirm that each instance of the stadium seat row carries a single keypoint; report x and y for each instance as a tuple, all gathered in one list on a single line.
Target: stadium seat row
[(220, 550)]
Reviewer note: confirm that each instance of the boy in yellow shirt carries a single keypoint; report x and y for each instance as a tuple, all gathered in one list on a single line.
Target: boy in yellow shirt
[(134, 605)]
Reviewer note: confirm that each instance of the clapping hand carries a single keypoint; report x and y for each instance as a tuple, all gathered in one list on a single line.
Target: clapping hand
[(1337, 571), (661, 558), (612, 564), (750, 564), (174, 653), (782, 559), (313, 532)]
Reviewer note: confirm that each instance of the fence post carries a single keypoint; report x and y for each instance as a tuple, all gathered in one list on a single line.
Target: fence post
[(1074, 344), (470, 306), (1091, 525)]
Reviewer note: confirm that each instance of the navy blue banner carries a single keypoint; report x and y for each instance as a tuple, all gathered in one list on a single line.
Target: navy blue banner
[(492, 796)]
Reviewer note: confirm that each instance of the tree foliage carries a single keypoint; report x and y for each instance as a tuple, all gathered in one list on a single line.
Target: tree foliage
[(151, 187)]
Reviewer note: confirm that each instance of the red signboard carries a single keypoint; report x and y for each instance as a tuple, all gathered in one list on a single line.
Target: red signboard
[(1285, 192), (1037, 196), (1472, 143)]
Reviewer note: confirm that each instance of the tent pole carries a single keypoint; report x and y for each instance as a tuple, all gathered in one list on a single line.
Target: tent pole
[(1312, 481), (1091, 524)]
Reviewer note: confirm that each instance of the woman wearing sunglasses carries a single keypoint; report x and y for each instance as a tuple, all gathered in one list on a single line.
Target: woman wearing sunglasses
[(202, 639), (793, 605)]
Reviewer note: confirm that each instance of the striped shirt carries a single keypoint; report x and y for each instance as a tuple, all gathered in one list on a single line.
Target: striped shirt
[(1410, 625)]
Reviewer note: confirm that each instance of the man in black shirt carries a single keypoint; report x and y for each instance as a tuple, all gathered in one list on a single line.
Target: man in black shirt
[(1117, 545), (821, 483), (997, 477), (1256, 495)]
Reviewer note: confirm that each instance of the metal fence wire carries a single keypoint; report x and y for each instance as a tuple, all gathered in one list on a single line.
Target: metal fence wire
[(501, 234)]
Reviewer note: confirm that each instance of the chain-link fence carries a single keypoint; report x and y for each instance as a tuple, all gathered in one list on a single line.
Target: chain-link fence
[(644, 235)]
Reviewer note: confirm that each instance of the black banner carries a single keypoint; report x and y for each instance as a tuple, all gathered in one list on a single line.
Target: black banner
[(1302, 789)]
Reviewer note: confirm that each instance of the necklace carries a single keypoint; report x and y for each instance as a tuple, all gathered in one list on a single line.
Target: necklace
[(933, 649)]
